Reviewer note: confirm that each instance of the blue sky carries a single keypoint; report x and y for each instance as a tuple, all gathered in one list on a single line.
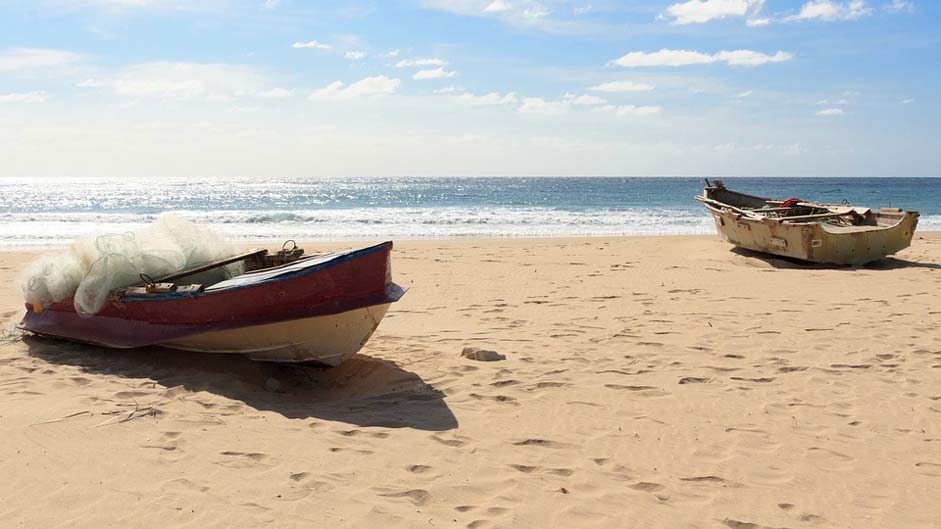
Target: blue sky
[(469, 87)]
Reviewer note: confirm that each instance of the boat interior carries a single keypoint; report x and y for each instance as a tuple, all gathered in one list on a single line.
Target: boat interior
[(843, 217), (205, 276)]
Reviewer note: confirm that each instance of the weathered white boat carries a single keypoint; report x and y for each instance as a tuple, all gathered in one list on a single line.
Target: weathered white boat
[(820, 233)]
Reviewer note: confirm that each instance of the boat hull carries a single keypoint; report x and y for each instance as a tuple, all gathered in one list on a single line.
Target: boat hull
[(818, 242), (328, 340), (322, 309)]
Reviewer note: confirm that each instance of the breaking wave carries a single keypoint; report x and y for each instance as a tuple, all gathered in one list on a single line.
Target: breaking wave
[(369, 223)]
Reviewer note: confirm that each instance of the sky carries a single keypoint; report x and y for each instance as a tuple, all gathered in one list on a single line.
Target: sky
[(292, 88)]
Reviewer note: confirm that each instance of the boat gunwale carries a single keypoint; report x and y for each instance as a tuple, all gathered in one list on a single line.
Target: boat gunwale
[(123, 297), (755, 217)]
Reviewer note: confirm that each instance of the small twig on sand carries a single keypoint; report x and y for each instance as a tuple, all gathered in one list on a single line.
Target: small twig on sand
[(124, 418), (69, 416)]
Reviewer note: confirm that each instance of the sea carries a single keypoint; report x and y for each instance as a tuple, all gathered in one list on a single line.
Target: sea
[(45, 212)]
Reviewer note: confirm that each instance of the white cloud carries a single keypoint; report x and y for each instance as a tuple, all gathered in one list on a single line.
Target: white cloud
[(437, 73), (496, 6), (664, 57), (220, 98), (219, 83), (527, 13), (828, 10), (491, 99), (312, 44), (907, 101), (268, 5), (24, 97), (274, 93), (899, 6), (355, 55), (185, 80), (667, 57), (91, 83), (751, 58), (699, 11), (536, 12), (841, 101), (622, 86), (370, 86), (628, 110), (631, 110), (407, 63), (587, 100), (159, 88), (450, 89), (390, 54), (539, 106), (746, 93), (582, 10), (830, 112), (22, 59)]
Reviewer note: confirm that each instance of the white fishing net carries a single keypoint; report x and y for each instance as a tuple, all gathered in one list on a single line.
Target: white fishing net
[(97, 264)]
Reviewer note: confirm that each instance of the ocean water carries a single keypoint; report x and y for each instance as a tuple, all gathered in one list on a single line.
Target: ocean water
[(52, 211)]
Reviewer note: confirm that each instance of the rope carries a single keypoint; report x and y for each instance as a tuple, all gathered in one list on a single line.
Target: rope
[(10, 335)]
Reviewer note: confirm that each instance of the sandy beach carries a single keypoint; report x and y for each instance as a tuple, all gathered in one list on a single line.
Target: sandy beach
[(655, 382)]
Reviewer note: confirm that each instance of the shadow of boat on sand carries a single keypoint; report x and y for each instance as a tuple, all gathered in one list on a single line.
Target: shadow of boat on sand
[(777, 261), (364, 390)]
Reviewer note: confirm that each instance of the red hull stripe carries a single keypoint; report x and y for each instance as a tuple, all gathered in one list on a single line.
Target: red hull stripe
[(351, 280)]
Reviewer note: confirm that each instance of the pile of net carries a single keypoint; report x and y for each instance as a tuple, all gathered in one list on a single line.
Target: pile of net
[(97, 264)]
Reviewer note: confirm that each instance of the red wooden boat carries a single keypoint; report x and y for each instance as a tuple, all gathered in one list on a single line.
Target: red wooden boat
[(284, 308)]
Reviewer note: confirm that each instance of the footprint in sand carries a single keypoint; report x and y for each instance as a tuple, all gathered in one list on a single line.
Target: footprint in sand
[(649, 391), (449, 442), (929, 469), (240, 459), (706, 479), (360, 452), (544, 443), (357, 433), (735, 524), (544, 385), (496, 398), (416, 496), (647, 486), (527, 469)]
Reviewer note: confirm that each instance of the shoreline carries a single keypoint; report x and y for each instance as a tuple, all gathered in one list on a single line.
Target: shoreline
[(242, 243)]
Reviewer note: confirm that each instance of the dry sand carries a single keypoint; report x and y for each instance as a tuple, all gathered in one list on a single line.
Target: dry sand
[(649, 382)]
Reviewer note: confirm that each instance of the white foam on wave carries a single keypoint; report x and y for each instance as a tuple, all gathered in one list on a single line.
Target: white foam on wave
[(54, 228), (30, 229)]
